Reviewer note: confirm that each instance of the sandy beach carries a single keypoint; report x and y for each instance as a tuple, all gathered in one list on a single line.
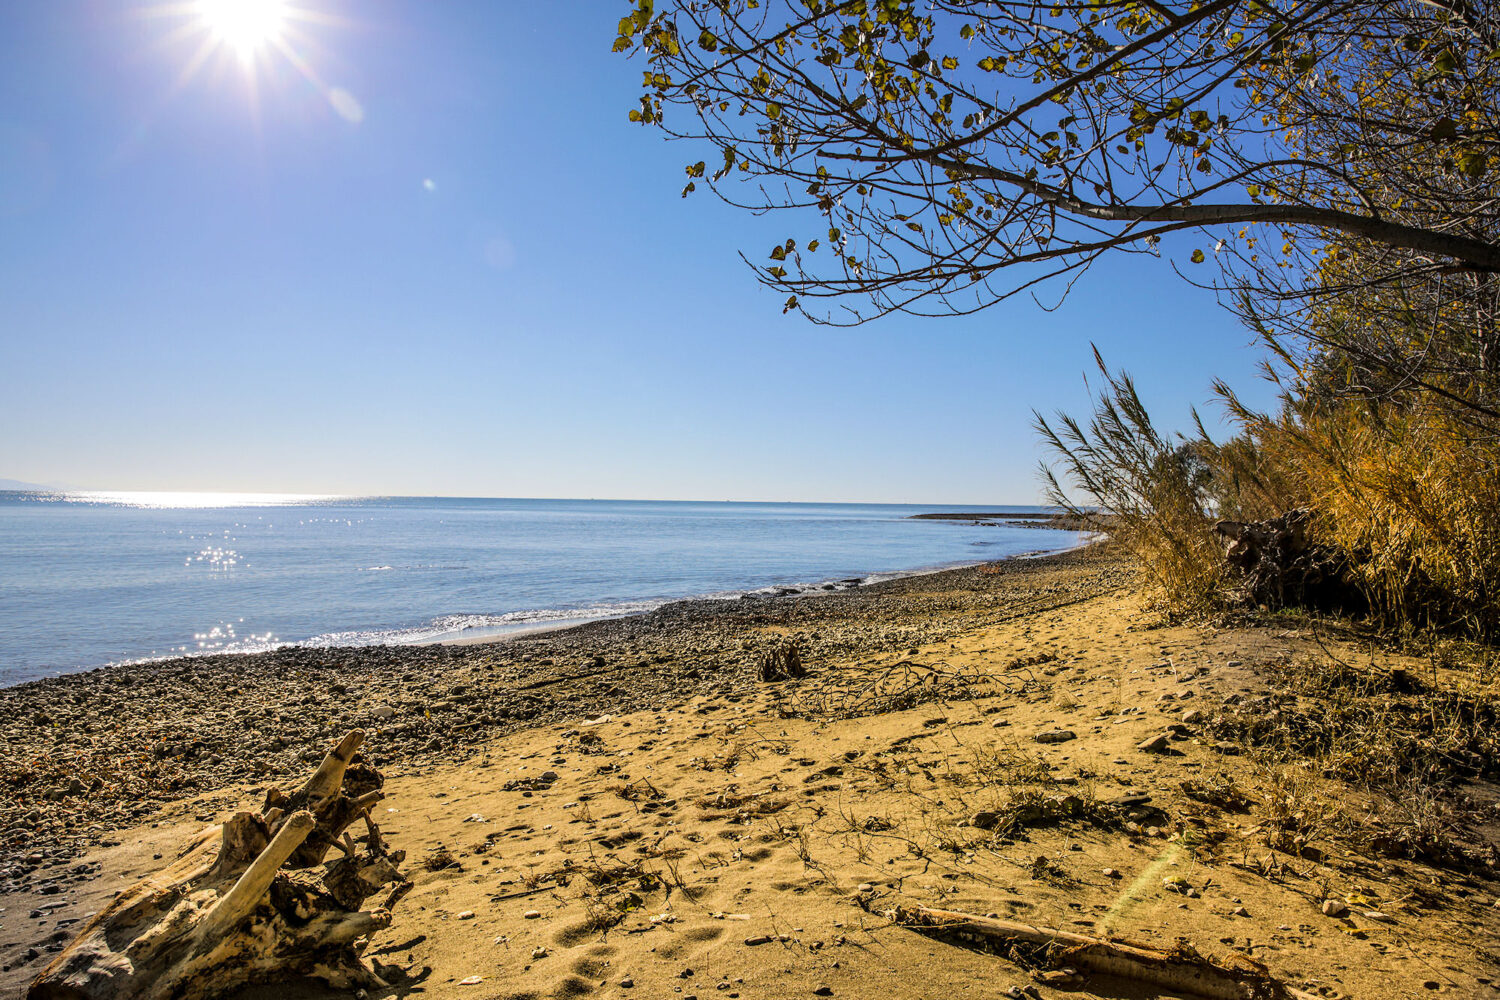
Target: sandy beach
[(625, 809)]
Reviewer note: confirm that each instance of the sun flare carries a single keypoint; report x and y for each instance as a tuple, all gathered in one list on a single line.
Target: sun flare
[(244, 25)]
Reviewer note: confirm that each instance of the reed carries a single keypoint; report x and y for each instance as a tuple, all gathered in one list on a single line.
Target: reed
[(1406, 489)]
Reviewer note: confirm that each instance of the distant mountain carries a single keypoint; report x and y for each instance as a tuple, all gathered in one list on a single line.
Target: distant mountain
[(17, 484)]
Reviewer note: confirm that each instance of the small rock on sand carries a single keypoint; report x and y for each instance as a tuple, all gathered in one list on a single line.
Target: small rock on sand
[(985, 820), (1159, 743), (1055, 736)]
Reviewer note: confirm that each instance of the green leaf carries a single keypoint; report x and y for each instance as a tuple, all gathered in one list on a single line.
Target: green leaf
[(1473, 164), (1197, 257)]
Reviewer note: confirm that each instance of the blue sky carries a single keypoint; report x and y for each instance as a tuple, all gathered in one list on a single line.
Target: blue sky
[(479, 279)]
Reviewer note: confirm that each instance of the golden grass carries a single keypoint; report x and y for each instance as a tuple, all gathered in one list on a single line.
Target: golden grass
[(1406, 491)]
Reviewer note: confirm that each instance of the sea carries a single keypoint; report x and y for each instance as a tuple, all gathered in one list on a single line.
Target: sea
[(91, 578)]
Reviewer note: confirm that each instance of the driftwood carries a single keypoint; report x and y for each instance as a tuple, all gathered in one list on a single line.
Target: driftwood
[(1280, 566), (251, 901), (781, 662), (1182, 970)]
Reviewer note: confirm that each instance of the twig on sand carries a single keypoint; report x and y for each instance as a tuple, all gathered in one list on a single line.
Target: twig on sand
[(1182, 970)]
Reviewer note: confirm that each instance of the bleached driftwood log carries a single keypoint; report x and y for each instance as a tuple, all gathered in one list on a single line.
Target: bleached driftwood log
[(251, 901), (1181, 970)]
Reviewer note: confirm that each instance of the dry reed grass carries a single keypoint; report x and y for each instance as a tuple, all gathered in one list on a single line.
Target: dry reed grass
[(1404, 490)]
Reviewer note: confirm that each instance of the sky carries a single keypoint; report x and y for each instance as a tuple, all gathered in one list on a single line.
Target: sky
[(437, 259)]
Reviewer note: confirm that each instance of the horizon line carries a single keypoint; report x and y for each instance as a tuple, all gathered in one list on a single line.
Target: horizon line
[(447, 496)]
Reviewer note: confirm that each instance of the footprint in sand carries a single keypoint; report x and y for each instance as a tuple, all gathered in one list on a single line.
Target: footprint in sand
[(591, 968), (572, 986), (572, 935)]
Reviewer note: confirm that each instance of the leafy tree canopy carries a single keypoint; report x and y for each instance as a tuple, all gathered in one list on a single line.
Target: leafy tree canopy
[(961, 151)]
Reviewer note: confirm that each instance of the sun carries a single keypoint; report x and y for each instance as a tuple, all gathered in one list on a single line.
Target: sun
[(244, 25)]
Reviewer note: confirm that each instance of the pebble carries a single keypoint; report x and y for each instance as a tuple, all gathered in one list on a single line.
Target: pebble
[(1334, 907), (466, 915), (1155, 744), (1055, 736), (531, 914)]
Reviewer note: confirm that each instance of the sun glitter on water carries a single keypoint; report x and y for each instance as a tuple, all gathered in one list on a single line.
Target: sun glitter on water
[(244, 25)]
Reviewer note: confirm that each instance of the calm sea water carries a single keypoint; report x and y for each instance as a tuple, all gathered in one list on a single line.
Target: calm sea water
[(93, 578)]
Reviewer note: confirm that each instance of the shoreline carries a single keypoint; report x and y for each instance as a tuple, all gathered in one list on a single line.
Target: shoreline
[(820, 588), (486, 634), (101, 749), (630, 804)]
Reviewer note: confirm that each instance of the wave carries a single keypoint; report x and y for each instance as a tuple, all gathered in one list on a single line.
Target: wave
[(470, 625)]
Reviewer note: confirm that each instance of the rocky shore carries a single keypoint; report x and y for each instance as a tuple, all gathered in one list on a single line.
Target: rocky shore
[(628, 808), (87, 754)]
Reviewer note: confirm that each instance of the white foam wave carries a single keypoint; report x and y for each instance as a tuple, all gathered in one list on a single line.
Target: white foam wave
[(464, 626)]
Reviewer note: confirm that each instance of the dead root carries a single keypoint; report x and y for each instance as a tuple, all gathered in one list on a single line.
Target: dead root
[(1181, 970)]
